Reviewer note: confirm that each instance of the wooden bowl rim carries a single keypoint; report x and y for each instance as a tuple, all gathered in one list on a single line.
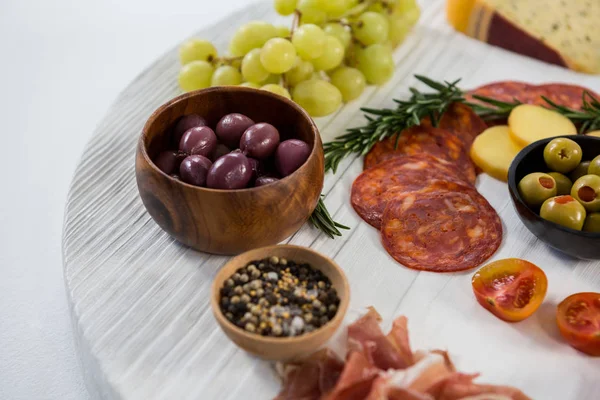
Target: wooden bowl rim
[(516, 196), (186, 96), (267, 340)]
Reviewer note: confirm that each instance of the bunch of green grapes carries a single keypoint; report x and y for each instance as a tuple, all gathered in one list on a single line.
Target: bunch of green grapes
[(334, 49)]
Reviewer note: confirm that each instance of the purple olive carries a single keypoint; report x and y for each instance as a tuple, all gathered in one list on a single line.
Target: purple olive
[(220, 151), (168, 161), (185, 124), (290, 156), (232, 171), (260, 141), (255, 167), (265, 180), (200, 140), (193, 170), (231, 128)]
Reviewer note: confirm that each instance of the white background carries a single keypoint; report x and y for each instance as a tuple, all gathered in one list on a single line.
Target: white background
[(62, 63)]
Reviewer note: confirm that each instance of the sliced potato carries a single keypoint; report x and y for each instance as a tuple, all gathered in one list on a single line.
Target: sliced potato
[(529, 123), (493, 151), (593, 133)]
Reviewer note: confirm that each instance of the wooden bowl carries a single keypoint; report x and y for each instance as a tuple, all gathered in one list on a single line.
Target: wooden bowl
[(585, 245), (289, 348), (230, 221)]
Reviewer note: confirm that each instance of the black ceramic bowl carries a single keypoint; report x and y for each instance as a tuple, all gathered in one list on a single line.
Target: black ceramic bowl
[(578, 244)]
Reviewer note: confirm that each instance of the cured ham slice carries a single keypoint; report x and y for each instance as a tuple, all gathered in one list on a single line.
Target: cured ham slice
[(356, 379), (316, 376), (383, 367), (365, 336)]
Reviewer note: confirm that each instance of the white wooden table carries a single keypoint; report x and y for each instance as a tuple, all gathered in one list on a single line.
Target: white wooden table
[(139, 299)]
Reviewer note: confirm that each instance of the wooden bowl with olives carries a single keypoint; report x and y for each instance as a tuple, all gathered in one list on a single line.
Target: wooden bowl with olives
[(554, 184), (215, 168), (280, 303)]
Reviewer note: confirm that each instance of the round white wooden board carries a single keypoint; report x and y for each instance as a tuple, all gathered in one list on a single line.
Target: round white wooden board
[(139, 300)]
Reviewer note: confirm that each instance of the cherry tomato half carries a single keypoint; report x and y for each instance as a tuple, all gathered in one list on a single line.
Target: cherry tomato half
[(578, 319), (511, 289)]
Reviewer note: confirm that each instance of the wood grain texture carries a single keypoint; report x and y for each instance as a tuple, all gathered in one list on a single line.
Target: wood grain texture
[(230, 221), (140, 300), (290, 348)]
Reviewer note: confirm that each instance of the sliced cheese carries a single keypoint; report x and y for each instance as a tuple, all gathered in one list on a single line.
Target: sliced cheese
[(493, 151), (557, 31), (528, 123)]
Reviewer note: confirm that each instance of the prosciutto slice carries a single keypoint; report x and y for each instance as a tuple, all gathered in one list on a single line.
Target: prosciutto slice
[(383, 367), (384, 352)]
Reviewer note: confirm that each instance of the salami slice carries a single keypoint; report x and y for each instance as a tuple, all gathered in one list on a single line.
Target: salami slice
[(507, 91), (462, 121), (441, 231), (562, 94), (375, 187), (424, 140), (565, 94)]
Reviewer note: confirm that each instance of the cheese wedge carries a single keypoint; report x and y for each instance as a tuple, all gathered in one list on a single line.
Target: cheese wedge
[(562, 32), (493, 151)]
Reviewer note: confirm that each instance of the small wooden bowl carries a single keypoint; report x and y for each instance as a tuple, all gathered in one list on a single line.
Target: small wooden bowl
[(584, 245), (230, 221), (289, 348)]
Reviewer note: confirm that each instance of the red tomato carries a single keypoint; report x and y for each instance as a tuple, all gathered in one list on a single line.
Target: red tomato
[(511, 289), (578, 319)]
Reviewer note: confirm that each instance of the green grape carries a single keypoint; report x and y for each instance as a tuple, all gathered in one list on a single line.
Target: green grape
[(311, 13), (283, 31), (399, 28), (340, 32), (195, 75), (376, 63), (285, 7), (334, 8), (349, 81), (226, 75), (309, 41), (197, 50), (377, 7), (273, 78), (278, 55), (277, 89), (252, 35), (409, 9), (250, 85), (302, 71), (317, 97), (332, 57), (252, 68), (371, 28)]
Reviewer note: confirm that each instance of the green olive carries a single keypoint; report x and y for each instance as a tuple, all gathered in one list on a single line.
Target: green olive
[(565, 211), (592, 223), (594, 167), (587, 191), (562, 155), (579, 171), (535, 188), (563, 184)]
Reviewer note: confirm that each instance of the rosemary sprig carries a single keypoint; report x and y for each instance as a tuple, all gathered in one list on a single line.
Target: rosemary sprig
[(383, 123), (322, 220)]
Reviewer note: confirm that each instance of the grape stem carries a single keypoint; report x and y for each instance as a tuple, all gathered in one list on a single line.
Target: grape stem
[(295, 21), (225, 60)]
